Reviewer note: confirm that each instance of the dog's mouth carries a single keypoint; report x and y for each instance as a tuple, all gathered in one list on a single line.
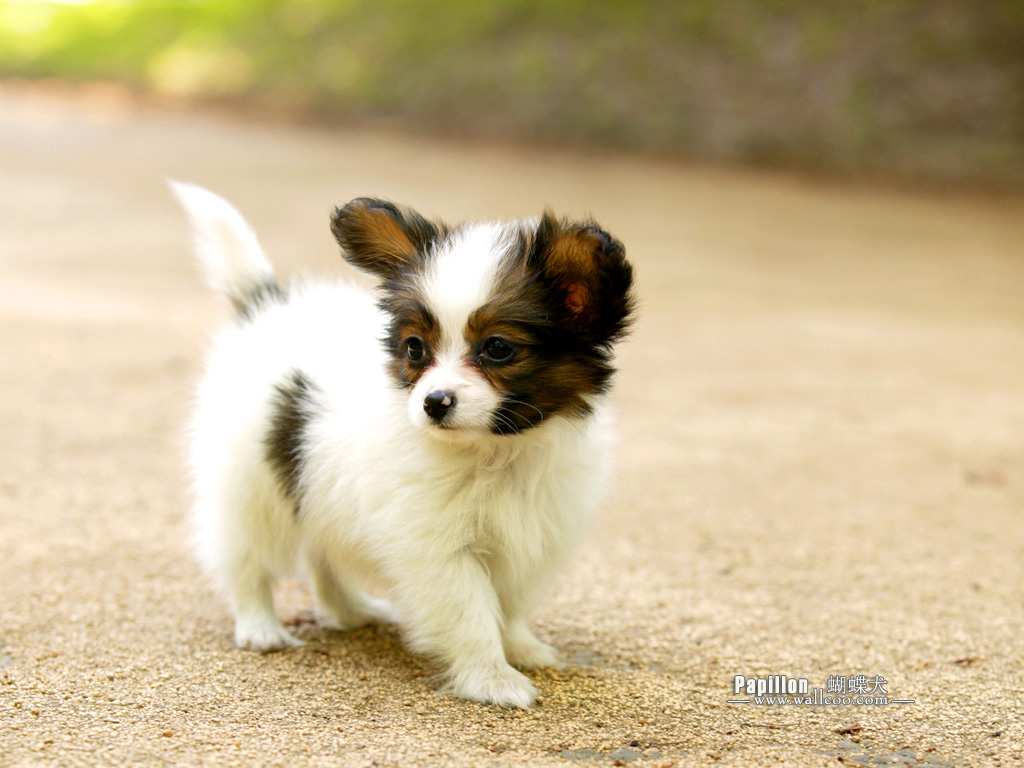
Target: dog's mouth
[(446, 424), (454, 433)]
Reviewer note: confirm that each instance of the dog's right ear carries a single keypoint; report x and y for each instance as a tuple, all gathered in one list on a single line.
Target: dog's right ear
[(380, 237)]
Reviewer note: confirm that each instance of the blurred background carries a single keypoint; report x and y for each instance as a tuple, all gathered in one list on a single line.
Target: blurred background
[(929, 90), (821, 408)]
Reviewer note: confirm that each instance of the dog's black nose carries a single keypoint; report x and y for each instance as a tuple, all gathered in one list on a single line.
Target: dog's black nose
[(438, 403)]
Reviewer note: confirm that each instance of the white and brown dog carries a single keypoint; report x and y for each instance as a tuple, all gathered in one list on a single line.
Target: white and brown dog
[(448, 437)]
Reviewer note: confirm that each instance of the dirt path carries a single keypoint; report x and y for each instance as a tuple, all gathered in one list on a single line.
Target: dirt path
[(821, 473)]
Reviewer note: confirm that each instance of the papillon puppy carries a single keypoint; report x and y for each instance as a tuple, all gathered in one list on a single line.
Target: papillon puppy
[(446, 437)]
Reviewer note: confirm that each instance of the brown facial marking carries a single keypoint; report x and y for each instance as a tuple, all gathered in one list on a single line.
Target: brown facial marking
[(548, 373), (410, 318), (563, 297)]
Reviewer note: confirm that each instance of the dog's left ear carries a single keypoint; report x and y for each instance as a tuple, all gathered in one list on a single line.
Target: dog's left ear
[(380, 237), (587, 269)]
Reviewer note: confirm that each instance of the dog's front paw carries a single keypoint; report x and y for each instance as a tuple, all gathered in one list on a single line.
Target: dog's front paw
[(264, 638), (531, 653), (503, 686)]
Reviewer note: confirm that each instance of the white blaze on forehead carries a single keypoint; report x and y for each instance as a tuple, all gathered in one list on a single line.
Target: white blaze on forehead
[(461, 277)]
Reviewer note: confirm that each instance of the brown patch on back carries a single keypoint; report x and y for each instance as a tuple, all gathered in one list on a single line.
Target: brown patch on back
[(293, 406)]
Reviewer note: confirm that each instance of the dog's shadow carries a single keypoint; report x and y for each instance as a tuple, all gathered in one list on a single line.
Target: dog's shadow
[(374, 650)]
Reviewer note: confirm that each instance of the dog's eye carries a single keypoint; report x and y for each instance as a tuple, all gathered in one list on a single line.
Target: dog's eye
[(414, 348), (496, 348)]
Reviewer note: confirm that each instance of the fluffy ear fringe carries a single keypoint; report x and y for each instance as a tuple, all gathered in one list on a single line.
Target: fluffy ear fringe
[(380, 237)]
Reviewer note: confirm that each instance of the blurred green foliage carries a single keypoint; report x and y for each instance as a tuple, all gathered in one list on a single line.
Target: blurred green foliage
[(928, 87)]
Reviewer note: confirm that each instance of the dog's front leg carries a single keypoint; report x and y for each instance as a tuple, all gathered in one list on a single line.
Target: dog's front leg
[(452, 613), (519, 589)]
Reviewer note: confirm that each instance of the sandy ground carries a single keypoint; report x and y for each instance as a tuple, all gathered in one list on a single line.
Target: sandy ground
[(821, 467)]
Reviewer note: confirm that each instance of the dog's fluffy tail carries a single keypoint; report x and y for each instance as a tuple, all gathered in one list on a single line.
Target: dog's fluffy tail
[(229, 255)]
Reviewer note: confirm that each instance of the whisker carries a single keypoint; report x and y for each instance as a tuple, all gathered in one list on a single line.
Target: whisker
[(528, 405), (514, 401), (502, 417)]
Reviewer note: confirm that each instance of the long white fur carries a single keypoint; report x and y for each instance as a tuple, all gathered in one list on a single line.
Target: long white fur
[(464, 533)]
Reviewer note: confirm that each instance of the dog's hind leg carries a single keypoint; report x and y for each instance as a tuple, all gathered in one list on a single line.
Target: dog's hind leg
[(245, 541), (339, 603), (257, 627)]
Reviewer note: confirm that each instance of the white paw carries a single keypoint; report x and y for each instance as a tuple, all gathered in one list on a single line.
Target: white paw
[(503, 686), (372, 610), (531, 653), (331, 620), (265, 638), (381, 611)]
